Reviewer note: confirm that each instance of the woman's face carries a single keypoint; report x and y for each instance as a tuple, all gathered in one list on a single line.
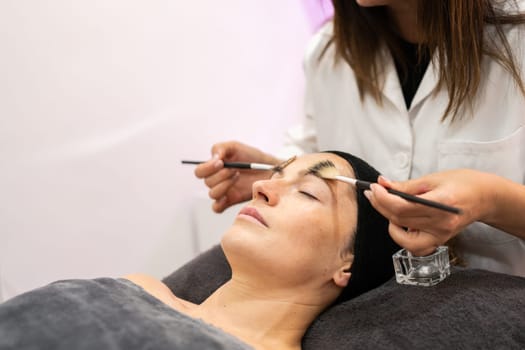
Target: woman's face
[(296, 227)]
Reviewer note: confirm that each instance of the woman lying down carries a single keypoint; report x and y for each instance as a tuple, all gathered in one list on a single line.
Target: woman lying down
[(299, 246)]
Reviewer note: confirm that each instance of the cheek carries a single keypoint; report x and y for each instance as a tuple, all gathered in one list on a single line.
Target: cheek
[(314, 228)]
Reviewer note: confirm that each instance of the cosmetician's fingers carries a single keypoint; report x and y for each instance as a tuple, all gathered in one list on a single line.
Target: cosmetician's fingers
[(232, 196), (413, 186), (414, 215), (220, 205), (221, 175), (466, 189), (225, 202), (419, 243), (426, 225), (403, 209), (234, 151), (213, 170), (221, 189), (443, 224), (391, 206), (226, 189), (462, 188), (239, 189), (208, 168)]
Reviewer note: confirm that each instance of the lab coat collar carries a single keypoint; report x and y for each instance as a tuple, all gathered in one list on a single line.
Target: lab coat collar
[(428, 83), (392, 87)]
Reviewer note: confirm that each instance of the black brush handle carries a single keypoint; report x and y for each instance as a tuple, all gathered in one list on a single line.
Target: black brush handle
[(365, 185), (237, 165), (191, 162), (226, 164)]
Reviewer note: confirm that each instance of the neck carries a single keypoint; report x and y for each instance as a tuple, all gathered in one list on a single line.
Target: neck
[(266, 320), (404, 17)]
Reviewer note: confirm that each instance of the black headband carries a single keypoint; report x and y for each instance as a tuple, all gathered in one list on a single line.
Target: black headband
[(373, 247)]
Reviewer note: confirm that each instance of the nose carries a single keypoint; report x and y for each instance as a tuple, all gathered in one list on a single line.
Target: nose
[(266, 190)]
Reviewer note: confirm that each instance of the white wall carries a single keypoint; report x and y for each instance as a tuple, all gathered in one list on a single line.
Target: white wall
[(99, 102)]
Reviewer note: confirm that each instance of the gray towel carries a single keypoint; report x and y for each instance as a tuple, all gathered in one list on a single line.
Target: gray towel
[(471, 309), (103, 313)]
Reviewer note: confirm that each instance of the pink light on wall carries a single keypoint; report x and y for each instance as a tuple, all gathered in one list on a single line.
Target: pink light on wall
[(318, 12)]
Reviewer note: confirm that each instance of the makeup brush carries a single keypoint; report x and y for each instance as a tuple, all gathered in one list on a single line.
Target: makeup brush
[(238, 165), (327, 170), (254, 166)]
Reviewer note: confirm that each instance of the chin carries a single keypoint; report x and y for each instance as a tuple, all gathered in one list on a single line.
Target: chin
[(234, 242), (245, 250)]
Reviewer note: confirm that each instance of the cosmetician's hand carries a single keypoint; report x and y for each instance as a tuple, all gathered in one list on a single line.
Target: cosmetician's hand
[(231, 186), (430, 227)]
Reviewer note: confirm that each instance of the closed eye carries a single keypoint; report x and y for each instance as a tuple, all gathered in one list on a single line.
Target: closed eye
[(311, 196)]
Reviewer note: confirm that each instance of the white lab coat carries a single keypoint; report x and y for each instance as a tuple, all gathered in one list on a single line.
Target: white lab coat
[(405, 144)]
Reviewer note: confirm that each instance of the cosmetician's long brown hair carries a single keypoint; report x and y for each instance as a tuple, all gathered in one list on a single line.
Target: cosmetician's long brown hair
[(455, 28)]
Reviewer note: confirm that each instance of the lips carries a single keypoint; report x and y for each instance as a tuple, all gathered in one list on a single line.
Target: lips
[(251, 211)]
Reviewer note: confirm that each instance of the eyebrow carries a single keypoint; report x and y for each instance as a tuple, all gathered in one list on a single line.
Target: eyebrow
[(317, 167), (278, 168), (312, 170)]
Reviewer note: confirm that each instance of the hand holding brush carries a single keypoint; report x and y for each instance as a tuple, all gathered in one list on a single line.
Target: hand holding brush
[(327, 170)]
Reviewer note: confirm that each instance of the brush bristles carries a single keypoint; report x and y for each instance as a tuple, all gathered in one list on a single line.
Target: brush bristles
[(327, 170), (323, 168)]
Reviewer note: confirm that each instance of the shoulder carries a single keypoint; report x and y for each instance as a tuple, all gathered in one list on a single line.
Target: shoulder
[(159, 290), (514, 35), (321, 36), (317, 45), (510, 7)]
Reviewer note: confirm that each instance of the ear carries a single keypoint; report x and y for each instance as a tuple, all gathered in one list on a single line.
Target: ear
[(342, 275)]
